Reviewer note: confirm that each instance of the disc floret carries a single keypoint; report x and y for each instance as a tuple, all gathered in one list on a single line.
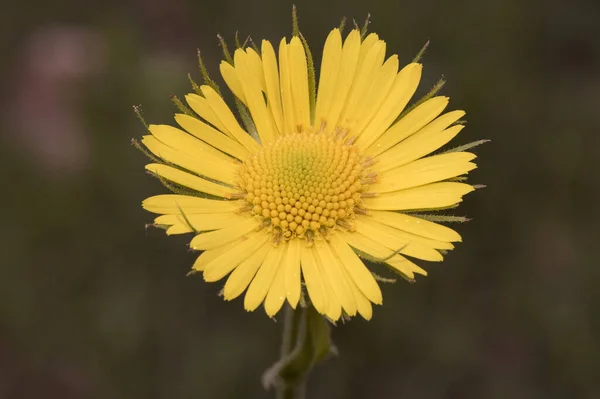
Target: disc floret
[(304, 184)]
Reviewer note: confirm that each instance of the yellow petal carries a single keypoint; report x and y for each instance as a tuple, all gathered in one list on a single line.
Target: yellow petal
[(408, 125), (244, 273), (402, 235), (244, 225), (226, 262), (361, 276), (232, 80), (334, 274), (330, 67), (377, 250), (200, 106), (299, 83), (363, 305), (402, 90), (202, 222), (430, 196), (313, 279), (260, 285), (334, 306), (350, 54), (255, 66), (425, 141), (395, 240), (263, 119), (423, 171), (276, 295), (365, 46), (173, 203), (217, 170), (212, 136), (382, 83), (207, 256), (271, 72), (291, 264), (222, 111), (368, 66), (188, 180), (416, 225), (402, 264), (187, 144), (285, 80)]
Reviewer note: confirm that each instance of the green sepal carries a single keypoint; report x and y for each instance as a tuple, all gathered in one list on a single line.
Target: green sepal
[(295, 27), (374, 259), (442, 218), (159, 226), (365, 27), (243, 111), (467, 146), (458, 179), (185, 218), (404, 276), (181, 106), (312, 81), (342, 25), (254, 45), (421, 52), (434, 90), (205, 77), (195, 86), (246, 118), (141, 148), (225, 49), (138, 112), (383, 279)]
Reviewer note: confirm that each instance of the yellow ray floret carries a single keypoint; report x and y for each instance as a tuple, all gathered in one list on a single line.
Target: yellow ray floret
[(395, 240), (226, 262), (402, 90), (330, 67), (244, 225), (273, 93), (241, 277), (188, 180), (166, 204), (195, 222), (425, 170), (426, 140), (259, 287), (291, 265), (381, 252), (253, 92), (411, 123), (212, 136), (430, 196), (415, 225)]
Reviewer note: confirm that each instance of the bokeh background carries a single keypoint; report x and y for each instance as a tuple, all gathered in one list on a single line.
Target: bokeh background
[(93, 305)]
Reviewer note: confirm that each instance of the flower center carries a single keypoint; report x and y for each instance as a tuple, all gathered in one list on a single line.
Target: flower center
[(304, 184)]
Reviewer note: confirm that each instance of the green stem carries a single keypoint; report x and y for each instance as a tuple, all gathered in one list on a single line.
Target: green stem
[(293, 321), (306, 341)]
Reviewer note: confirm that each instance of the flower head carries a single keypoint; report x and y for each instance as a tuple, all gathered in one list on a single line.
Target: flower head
[(312, 180)]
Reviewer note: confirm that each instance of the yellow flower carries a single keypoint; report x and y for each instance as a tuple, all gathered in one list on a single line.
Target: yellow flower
[(316, 181)]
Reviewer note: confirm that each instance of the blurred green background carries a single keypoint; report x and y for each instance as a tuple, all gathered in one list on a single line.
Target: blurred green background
[(92, 305)]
